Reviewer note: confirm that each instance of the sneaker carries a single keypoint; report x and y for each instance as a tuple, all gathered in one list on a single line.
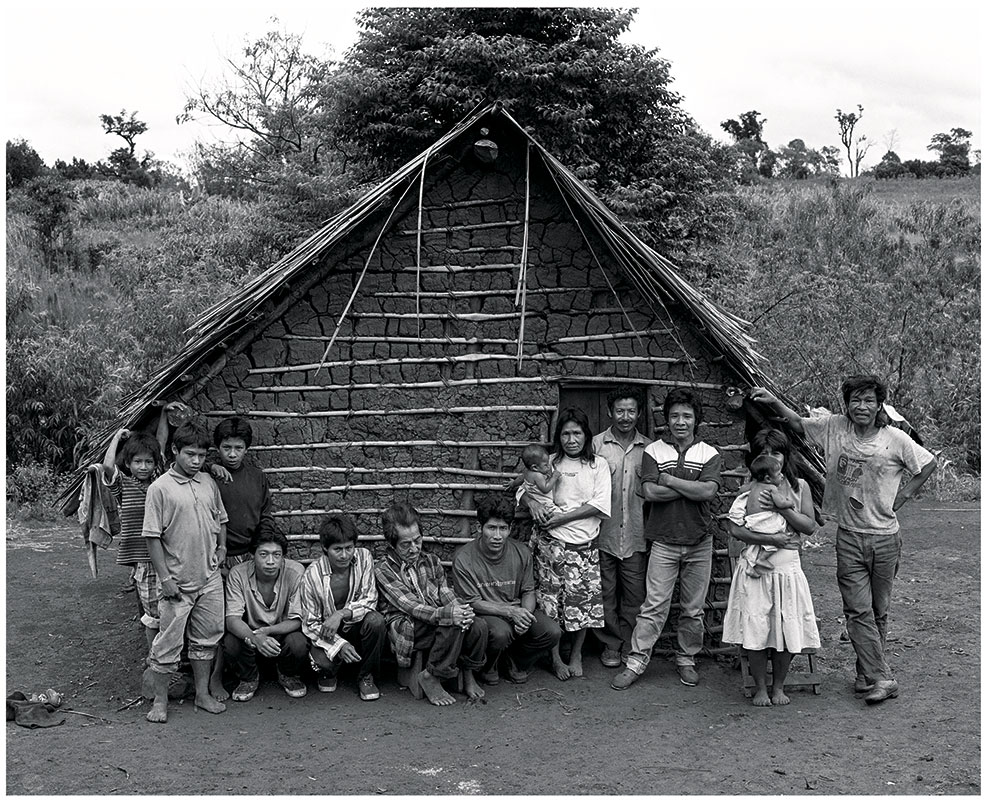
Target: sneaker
[(327, 683), (687, 674), (368, 689), (245, 690), (862, 684), (610, 657), (293, 686), (625, 679)]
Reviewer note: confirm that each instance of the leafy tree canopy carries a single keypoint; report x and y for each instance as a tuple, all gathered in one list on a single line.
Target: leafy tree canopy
[(23, 163)]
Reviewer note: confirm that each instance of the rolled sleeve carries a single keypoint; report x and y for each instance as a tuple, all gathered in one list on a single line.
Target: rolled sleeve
[(236, 594), (154, 522), (602, 486)]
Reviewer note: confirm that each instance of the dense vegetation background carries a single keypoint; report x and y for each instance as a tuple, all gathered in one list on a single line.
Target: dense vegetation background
[(108, 264)]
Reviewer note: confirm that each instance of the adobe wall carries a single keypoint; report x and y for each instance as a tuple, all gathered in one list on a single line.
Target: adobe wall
[(450, 380)]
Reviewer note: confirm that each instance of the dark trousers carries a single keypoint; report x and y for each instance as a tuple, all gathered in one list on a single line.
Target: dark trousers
[(367, 636), (623, 582), (523, 648), (244, 659), (448, 646)]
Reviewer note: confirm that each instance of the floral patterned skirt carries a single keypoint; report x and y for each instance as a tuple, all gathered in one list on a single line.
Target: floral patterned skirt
[(569, 588)]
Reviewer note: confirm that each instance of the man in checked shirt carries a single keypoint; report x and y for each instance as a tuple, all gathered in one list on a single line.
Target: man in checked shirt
[(423, 613), (622, 547)]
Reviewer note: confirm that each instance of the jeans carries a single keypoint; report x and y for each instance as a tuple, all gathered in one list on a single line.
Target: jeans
[(866, 566), (245, 660), (623, 582), (367, 636), (201, 614), (668, 564), (523, 648), (448, 646)]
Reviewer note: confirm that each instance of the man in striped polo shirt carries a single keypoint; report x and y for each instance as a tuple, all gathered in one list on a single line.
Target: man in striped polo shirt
[(680, 477)]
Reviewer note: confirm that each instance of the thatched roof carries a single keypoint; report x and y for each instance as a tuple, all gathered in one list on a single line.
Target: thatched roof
[(231, 319)]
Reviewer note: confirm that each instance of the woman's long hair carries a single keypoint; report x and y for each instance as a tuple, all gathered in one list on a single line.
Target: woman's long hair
[(777, 441), (576, 415)]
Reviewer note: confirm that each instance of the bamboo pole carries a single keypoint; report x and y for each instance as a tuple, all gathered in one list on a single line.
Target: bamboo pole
[(378, 487), (359, 282), (454, 204), (475, 473), (424, 512), (388, 412), (393, 443), (603, 337), (446, 316), (476, 357), (478, 226), (521, 296), (459, 293), (406, 339), (379, 537), (453, 268), (396, 385), (421, 199)]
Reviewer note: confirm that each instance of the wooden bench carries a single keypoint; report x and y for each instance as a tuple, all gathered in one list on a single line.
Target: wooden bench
[(795, 680)]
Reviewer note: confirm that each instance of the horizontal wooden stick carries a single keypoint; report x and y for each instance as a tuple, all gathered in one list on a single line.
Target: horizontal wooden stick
[(454, 204), (478, 473), (383, 412), (464, 317), (577, 379), (405, 339), (449, 293), (390, 443), (451, 269), (603, 337), (379, 537), (377, 487), (424, 512), (332, 387), (476, 226)]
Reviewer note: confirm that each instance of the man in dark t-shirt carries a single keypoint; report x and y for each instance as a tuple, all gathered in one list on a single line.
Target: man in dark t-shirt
[(495, 575)]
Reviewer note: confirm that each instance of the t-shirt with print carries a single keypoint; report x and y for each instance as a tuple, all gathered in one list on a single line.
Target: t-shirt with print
[(476, 577), (185, 514), (862, 476), (581, 483), (680, 521)]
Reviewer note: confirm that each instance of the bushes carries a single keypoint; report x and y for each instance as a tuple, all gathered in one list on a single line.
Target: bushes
[(33, 488)]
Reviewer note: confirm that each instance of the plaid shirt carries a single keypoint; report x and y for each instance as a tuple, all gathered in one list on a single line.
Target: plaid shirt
[(410, 592), (317, 603)]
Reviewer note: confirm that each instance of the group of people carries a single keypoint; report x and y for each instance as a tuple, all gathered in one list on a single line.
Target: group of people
[(618, 521)]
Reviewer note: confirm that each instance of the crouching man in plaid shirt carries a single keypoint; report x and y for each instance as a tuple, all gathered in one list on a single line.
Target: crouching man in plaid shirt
[(422, 611)]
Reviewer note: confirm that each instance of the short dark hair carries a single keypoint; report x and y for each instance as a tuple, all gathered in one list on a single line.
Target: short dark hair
[(578, 416), (337, 529), (267, 535), (532, 454), (191, 434), (397, 515), (139, 442), (776, 440), (233, 428), (683, 397), (860, 383), (760, 467), (494, 507), (625, 392)]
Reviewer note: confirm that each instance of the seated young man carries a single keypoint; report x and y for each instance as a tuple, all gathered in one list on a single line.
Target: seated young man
[(263, 617), (338, 609), (495, 575), (422, 611)]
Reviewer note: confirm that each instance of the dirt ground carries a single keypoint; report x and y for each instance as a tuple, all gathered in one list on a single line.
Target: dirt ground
[(80, 636)]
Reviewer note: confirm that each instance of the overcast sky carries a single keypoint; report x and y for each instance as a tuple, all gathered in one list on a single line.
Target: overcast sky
[(915, 68)]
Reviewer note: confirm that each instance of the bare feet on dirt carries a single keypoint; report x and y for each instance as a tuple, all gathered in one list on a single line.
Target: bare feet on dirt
[(778, 698), (158, 712), (561, 669), (761, 698), (432, 687), (218, 691), (209, 703), (575, 665), (469, 685)]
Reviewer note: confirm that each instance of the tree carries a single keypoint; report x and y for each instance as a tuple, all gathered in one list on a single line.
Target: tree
[(856, 148), (890, 166), (953, 151), (797, 160), (127, 128), (604, 107), (23, 163), (747, 133), (123, 162), (277, 101)]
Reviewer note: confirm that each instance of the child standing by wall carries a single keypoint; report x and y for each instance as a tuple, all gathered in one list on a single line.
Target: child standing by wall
[(128, 472), (185, 532)]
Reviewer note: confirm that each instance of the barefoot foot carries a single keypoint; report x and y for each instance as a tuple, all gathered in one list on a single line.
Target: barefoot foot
[(575, 666), (209, 703), (778, 697), (147, 684), (761, 698), (218, 691), (158, 712), (469, 685), (561, 669), (432, 687)]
